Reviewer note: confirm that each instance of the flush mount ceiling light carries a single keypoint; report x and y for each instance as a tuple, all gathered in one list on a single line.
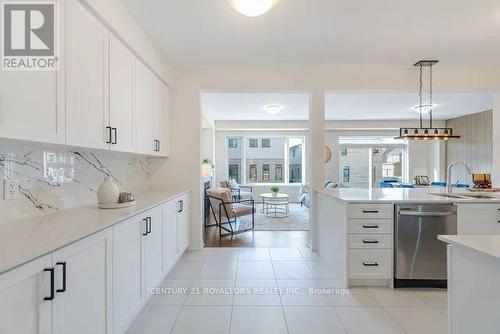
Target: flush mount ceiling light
[(252, 8), (425, 133), (273, 109), (424, 109)]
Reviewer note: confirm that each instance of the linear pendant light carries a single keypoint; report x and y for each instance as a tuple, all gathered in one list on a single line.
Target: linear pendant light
[(426, 133)]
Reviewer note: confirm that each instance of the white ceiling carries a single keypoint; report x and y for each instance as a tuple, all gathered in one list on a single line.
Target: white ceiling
[(340, 105), (339, 32)]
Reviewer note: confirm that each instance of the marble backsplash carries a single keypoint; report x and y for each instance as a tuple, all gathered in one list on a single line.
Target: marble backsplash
[(55, 178)]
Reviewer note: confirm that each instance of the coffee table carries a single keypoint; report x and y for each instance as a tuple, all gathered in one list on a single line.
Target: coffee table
[(275, 205)]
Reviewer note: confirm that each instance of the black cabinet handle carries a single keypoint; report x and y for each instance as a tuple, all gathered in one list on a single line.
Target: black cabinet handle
[(114, 141), (109, 141), (370, 211), (146, 226), (370, 241), (159, 146), (181, 205), (63, 264), (370, 264), (370, 226), (51, 270)]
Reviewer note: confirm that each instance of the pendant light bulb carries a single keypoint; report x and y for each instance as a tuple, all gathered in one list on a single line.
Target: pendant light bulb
[(252, 8)]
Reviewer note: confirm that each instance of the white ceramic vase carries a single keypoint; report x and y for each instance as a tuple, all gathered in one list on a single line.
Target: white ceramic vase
[(108, 192)]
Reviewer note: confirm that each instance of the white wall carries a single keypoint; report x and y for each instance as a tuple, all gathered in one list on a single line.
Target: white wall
[(184, 168)]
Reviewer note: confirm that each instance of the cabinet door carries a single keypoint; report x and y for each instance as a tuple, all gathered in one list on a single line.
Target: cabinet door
[(157, 113), (154, 250), (144, 106), (478, 219), (121, 95), (163, 120), (31, 103), (182, 223), (86, 78), (23, 309), (128, 268), (83, 282), (169, 235)]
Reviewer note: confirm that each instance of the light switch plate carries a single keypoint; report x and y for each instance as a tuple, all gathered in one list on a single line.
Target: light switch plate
[(10, 189)]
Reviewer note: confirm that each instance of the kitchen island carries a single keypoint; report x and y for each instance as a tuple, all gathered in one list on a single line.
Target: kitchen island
[(473, 275), (355, 227)]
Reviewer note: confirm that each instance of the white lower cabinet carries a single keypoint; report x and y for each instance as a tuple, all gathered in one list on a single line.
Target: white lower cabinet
[(100, 283), (153, 249), (63, 292), (128, 271), (478, 218), (170, 253), (82, 286), (23, 308), (182, 223)]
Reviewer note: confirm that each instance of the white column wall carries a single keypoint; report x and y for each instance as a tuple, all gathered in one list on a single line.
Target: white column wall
[(496, 139)]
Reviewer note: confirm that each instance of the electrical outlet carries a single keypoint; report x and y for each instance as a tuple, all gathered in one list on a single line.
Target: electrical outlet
[(10, 189)]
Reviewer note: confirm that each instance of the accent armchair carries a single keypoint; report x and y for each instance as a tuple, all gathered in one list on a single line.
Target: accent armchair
[(238, 192), (227, 211)]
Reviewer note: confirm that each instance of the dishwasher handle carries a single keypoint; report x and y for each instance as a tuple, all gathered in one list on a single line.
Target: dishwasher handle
[(427, 213)]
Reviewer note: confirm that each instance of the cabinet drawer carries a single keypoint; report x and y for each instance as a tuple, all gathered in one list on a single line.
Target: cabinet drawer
[(369, 211), (370, 240), (370, 226), (370, 263)]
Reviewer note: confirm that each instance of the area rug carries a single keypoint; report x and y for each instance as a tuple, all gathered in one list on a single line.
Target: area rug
[(297, 220)]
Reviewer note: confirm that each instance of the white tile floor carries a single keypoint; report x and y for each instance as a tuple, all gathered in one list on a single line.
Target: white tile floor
[(261, 290)]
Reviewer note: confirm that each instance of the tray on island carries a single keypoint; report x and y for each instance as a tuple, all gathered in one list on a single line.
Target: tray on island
[(116, 205), (490, 190)]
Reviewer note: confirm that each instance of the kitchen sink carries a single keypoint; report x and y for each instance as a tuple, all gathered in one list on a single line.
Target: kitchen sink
[(447, 195)]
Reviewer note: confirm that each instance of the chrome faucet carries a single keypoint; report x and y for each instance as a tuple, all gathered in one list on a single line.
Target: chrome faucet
[(448, 174)]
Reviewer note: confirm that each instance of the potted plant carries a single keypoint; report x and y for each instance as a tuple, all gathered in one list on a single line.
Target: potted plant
[(275, 190)]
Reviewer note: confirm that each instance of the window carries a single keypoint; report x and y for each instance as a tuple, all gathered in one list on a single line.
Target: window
[(267, 160), (346, 174), (253, 173), (295, 162), (234, 172), (266, 173), (371, 160), (232, 143), (278, 172)]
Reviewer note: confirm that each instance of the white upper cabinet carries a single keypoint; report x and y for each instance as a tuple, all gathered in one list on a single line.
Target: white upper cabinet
[(32, 103), (86, 78), (144, 109), (162, 118), (121, 96)]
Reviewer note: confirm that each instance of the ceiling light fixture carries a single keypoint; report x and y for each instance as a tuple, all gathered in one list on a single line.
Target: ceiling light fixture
[(425, 133), (273, 109), (252, 8)]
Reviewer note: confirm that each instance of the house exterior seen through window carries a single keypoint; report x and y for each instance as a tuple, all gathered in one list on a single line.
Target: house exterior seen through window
[(275, 160)]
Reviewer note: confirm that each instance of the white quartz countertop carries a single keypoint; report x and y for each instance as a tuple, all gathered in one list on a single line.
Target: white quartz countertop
[(406, 195), (24, 240), (486, 244)]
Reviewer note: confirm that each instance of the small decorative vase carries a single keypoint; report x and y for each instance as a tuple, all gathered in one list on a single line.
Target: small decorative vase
[(108, 192), (275, 194)]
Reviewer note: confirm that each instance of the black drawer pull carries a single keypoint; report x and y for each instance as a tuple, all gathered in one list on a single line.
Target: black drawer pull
[(181, 206), (148, 225), (114, 138), (145, 220), (370, 211), (63, 264), (109, 129), (370, 226), (370, 241), (370, 264), (51, 270)]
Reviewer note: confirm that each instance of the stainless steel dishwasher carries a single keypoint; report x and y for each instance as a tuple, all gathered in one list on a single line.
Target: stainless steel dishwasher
[(419, 257)]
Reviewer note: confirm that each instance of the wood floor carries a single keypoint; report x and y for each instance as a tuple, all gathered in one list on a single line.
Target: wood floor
[(266, 239)]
